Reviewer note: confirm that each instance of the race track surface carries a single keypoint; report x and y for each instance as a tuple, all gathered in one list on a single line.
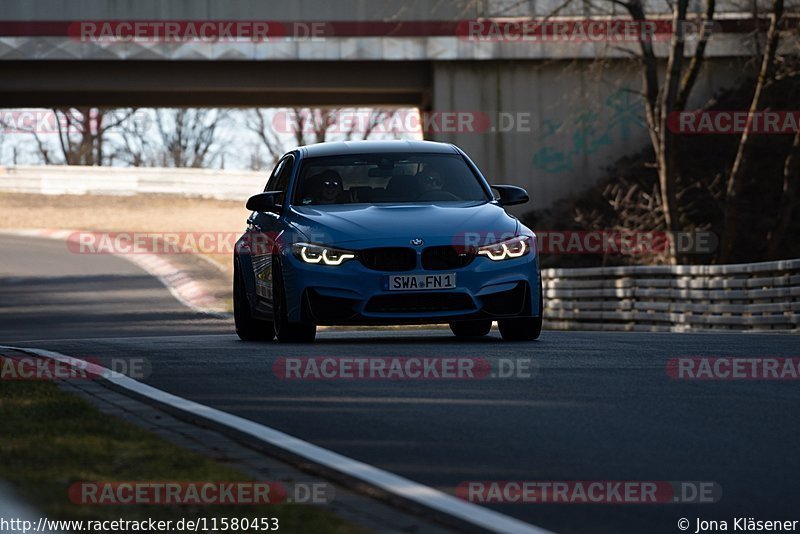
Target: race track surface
[(598, 406)]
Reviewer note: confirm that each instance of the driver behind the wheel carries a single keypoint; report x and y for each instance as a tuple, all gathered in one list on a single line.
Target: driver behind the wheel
[(429, 179)]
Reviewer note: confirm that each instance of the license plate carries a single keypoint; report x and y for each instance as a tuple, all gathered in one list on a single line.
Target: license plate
[(420, 282)]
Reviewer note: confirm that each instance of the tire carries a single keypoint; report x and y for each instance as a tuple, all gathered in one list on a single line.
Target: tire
[(285, 331), (248, 328), (523, 328), (471, 329)]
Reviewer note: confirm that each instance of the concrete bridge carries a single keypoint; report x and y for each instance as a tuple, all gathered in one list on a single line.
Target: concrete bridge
[(559, 109)]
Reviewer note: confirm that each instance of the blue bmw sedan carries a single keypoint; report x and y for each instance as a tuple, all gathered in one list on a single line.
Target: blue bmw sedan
[(384, 233)]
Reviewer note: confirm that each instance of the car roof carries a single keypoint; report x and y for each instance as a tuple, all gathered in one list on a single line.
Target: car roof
[(341, 148)]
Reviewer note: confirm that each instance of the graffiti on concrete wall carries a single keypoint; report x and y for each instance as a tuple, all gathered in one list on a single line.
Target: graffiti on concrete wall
[(617, 120)]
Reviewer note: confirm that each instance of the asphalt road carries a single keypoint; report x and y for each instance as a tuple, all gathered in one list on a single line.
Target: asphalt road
[(600, 406)]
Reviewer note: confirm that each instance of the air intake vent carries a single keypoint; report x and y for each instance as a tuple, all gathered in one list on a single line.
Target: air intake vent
[(389, 258)]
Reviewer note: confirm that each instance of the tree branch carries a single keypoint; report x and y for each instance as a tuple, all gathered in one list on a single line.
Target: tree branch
[(689, 79)]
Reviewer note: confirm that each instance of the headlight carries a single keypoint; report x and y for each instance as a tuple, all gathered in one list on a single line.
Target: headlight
[(508, 249), (320, 254)]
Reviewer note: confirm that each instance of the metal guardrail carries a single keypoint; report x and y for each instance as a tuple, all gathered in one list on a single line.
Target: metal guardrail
[(80, 180), (755, 296)]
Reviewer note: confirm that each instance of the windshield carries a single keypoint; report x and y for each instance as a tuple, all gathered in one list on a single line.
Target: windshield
[(387, 178)]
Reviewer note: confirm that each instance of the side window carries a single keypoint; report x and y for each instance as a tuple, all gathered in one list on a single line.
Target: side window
[(273, 178), (282, 179)]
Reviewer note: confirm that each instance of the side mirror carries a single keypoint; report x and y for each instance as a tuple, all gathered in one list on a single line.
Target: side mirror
[(511, 195), (263, 202)]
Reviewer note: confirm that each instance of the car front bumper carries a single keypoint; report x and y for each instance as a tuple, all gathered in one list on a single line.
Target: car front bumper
[(351, 293)]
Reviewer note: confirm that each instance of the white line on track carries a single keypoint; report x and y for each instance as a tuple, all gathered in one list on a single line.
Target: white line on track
[(422, 495)]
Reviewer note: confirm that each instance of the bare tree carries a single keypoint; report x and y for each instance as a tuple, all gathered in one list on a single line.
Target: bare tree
[(663, 99), (134, 144), (82, 135), (738, 175), (257, 121), (322, 121), (189, 137), (790, 198), (375, 118), (314, 125)]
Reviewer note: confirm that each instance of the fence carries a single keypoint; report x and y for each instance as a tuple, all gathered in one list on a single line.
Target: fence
[(756, 296), (78, 180)]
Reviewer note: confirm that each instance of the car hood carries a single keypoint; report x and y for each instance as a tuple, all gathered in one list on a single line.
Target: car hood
[(348, 223)]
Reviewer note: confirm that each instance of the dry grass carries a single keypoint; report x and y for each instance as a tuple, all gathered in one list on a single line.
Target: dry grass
[(142, 213)]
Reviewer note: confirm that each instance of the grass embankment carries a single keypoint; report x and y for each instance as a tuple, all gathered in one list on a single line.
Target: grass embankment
[(52, 439)]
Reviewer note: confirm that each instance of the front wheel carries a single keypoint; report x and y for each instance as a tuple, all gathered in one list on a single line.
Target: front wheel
[(523, 328), (248, 328), (468, 329), (287, 332)]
